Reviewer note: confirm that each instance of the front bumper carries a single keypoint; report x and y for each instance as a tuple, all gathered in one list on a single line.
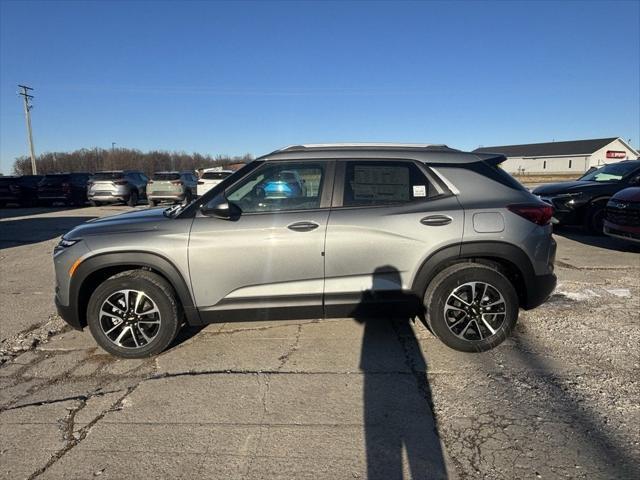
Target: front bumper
[(68, 314), (623, 232)]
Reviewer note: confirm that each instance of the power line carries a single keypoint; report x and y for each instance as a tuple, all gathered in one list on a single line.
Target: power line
[(27, 115)]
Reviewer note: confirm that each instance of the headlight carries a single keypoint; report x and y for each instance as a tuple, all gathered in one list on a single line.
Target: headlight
[(63, 244), (569, 199)]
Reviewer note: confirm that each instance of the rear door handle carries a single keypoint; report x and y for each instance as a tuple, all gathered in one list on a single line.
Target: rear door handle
[(303, 226), (436, 220)]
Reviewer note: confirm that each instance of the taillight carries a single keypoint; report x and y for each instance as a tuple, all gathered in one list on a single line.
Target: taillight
[(177, 182), (540, 214)]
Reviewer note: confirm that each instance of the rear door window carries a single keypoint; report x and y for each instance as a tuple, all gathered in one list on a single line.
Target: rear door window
[(373, 183)]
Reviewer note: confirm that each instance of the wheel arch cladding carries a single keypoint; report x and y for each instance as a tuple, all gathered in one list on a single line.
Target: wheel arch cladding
[(95, 270), (509, 259)]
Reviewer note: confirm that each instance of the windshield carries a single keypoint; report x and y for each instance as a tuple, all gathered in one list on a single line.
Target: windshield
[(215, 175), (166, 176), (611, 173), (108, 175)]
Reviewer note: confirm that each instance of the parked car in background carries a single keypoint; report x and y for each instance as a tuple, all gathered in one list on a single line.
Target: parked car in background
[(583, 202), (22, 190), (416, 230), (287, 184), (174, 187), (622, 216), (127, 186), (68, 188), (211, 179)]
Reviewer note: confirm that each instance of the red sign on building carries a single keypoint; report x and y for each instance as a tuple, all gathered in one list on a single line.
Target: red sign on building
[(616, 154)]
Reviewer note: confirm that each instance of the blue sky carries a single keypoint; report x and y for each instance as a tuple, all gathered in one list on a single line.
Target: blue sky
[(243, 77)]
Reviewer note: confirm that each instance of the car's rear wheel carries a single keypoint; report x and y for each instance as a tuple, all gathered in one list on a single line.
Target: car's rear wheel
[(94, 203), (153, 203), (471, 307), (134, 314)]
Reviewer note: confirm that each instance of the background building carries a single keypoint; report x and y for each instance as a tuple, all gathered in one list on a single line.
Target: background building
[(575, 156)]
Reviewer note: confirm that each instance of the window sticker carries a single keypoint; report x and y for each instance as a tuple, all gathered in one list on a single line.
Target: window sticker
[(419, 191)]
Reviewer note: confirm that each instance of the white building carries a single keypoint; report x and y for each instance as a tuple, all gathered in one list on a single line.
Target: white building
[(575, 156)]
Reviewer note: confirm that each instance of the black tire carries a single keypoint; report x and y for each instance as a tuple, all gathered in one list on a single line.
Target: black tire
[(446, 282), (594, 218), (95, 204), (155, 288), (133, 199), (153, 203)]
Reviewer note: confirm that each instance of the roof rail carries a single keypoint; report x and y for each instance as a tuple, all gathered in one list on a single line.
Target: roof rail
[(345, 146)]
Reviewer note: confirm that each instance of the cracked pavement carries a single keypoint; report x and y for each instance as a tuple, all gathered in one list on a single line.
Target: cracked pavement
[(327, 399)]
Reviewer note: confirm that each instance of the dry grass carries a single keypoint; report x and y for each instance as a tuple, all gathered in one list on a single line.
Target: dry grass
[(546, 178)]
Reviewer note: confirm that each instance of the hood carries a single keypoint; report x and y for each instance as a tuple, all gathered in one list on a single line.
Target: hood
[(131, 222), (567, 187), (631, 194)]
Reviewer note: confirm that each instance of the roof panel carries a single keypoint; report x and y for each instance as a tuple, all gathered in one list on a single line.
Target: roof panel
[(549, 149)]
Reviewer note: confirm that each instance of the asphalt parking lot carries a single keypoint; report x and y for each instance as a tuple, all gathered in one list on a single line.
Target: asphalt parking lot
[(323, 399)]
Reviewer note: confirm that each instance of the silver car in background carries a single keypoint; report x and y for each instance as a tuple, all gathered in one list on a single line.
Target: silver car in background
[(128, 186), (210, 179), (172, 187), (423, 231)]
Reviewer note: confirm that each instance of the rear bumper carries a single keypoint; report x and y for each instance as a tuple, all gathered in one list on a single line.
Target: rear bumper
[(108, 198), (68, 314), (539, 288), (178, 197)]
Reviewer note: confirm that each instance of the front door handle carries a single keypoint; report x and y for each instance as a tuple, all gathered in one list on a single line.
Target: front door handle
[(303, 226), (436, 220)]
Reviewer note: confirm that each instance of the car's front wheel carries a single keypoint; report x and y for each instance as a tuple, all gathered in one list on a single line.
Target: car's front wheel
[(471, 307), (134, 314), (594, 218)]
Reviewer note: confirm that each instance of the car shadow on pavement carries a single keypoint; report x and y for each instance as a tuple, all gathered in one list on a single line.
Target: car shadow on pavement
[(398, 420), (25, 231), (9, 212), (601, 241)]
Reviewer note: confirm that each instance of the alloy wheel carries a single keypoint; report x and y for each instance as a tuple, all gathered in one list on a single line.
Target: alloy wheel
[(475, 311), (130, 318)]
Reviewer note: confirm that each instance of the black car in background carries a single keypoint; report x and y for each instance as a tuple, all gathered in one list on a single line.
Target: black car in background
[(583, 202), (21, 190), (68, 188)]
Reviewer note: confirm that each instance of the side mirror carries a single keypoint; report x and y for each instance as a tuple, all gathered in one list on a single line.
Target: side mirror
[(219, 207)]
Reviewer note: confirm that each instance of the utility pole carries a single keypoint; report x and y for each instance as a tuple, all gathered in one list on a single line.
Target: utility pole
[(27, 115)]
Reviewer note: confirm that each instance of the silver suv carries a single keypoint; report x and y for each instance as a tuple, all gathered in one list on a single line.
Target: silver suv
[(364, 230), (129, 186)]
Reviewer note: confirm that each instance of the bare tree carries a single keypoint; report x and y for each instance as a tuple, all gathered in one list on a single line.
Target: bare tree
[(96, 159)]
